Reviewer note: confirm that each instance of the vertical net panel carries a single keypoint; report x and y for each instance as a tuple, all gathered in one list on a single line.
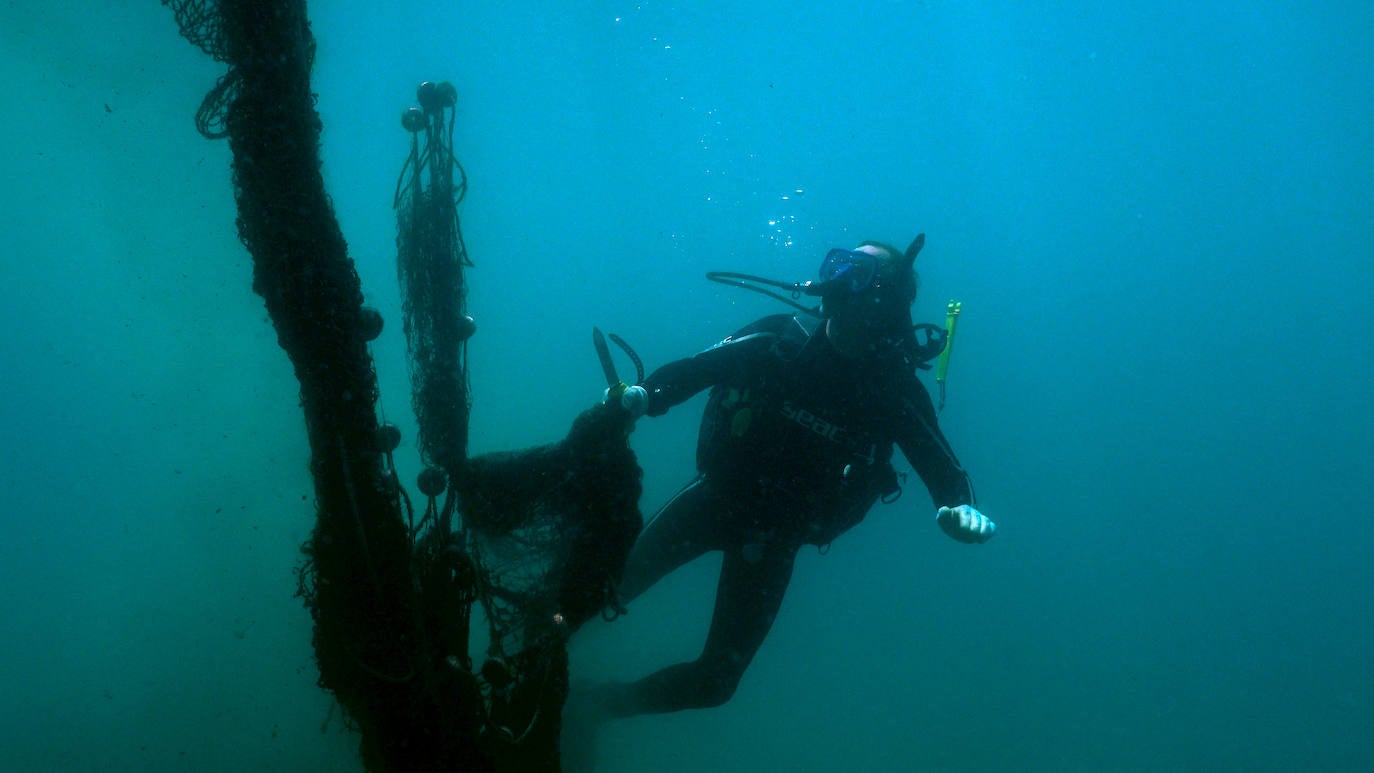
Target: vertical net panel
[(542, 534), (411, 710)]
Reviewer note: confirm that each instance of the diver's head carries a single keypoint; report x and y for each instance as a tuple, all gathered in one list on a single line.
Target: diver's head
[(866, 296)]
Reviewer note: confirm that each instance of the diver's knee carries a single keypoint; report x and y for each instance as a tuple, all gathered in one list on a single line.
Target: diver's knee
[(718, 694), (717, 687)]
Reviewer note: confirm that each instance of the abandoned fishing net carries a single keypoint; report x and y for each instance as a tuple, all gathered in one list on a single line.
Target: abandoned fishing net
[(547, 529), (538, 537), (552, 526), (431, 258)]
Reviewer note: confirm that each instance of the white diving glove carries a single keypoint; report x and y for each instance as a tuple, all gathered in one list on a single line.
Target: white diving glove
[(965, 524), (634, 399)]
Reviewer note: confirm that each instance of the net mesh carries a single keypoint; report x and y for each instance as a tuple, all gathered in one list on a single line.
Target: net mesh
[(541, 535)]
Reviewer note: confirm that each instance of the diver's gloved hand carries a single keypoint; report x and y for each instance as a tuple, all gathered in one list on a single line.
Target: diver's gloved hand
[(965, 524), (634, 399)]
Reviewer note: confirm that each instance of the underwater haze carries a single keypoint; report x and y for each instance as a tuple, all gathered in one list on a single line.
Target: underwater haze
[(1158, 218)]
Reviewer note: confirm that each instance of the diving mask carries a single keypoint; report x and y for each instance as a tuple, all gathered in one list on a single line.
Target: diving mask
[(848, 270)]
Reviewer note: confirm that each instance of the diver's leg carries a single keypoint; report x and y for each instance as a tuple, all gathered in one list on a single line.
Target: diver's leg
[(753, 580), (683, 529)]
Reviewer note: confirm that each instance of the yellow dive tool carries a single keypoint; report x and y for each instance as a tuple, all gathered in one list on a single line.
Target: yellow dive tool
[(942, 366)]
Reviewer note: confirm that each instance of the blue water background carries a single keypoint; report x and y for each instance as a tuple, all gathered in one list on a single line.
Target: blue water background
[(1157, 216)]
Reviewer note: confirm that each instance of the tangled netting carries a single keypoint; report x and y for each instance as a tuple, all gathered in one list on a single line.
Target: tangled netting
[(552, 527), (391, 598), (430, 259), (202, 23)]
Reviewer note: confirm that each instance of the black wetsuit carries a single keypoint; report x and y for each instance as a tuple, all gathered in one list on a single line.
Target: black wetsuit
[(795, 447)]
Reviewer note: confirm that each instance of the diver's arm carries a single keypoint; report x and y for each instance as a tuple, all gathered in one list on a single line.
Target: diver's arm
[(677, 381), (929, 453), (926, 448)]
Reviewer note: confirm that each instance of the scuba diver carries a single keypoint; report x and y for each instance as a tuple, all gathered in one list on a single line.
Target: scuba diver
[(795, 447)]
